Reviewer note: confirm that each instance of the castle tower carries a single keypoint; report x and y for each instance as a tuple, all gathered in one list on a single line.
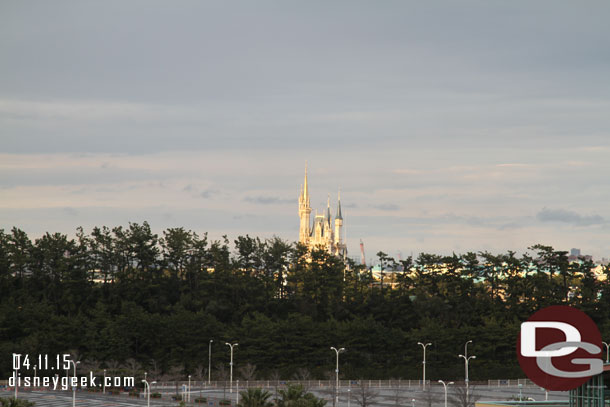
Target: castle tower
[(338, 223), (304, 212), (328, 222)]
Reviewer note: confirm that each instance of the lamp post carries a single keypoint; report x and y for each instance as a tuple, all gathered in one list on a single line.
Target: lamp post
[(231, 365), (104, 384), (147, 390), (424, 363), (74, 386), (607, 352), (520, 392), (210, 362), (466, 360), (466, 347), (337, 351), (188, 396), (445, 385)]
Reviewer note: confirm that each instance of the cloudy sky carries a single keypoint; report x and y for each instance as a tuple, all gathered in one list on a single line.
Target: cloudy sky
[(449, 126)]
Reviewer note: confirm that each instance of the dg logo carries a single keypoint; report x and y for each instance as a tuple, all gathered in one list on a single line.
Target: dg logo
[(559, 348)]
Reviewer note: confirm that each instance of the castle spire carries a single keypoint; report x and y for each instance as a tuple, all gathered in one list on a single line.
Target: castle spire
[(339, 206), (305, 189), (304, 211), (339, 247)]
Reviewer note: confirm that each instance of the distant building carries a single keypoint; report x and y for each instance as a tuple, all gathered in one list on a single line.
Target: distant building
[(324, 232), (576, 256)]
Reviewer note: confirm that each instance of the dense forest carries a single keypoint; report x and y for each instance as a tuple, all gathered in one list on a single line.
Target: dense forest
[(125, 295)]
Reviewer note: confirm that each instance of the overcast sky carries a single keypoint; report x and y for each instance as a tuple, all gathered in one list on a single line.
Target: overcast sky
[(448, 125)]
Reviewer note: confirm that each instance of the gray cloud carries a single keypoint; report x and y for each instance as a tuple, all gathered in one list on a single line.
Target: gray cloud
[(262, 85), (386, 207), (209, 193), (565, 216), (269, 200), (70, 211)]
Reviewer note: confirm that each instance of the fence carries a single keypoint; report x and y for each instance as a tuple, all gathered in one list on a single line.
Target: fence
[(321, 384)]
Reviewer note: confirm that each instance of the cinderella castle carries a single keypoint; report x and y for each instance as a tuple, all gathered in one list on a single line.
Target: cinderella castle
[(321, 234)]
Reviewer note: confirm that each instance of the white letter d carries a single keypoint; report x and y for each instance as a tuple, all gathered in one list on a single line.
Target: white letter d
[(528, 338)]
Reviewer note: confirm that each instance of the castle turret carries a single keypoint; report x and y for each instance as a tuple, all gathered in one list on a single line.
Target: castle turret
[(304, 211), (338, 222), (328, 217)]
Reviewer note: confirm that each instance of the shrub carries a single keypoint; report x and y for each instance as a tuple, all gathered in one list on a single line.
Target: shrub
[(12, 402)]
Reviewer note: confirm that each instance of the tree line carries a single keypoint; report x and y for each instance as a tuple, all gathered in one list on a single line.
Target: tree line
[(126, 293)]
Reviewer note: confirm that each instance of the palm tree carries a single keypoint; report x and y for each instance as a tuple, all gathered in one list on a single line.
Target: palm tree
[(255, 398), (290, 394), (295, 396)]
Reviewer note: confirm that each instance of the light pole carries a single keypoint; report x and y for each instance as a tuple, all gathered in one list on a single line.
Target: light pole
[(520, 392), (188, 396), (424, 363), (231, 377), (607, 352), (73, 385), (445, 385), (104, 384), (466, 360), (337, 351), (210, 362), (466, 347), (147, 390)]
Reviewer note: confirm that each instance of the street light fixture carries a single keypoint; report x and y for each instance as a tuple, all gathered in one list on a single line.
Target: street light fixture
[(337, 351), (147, 391), (445, 385), (231, 377), (466, 347), (424, 363), (520, 392), (466, 361), (210, 362), (74, 386), (607, 352)]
